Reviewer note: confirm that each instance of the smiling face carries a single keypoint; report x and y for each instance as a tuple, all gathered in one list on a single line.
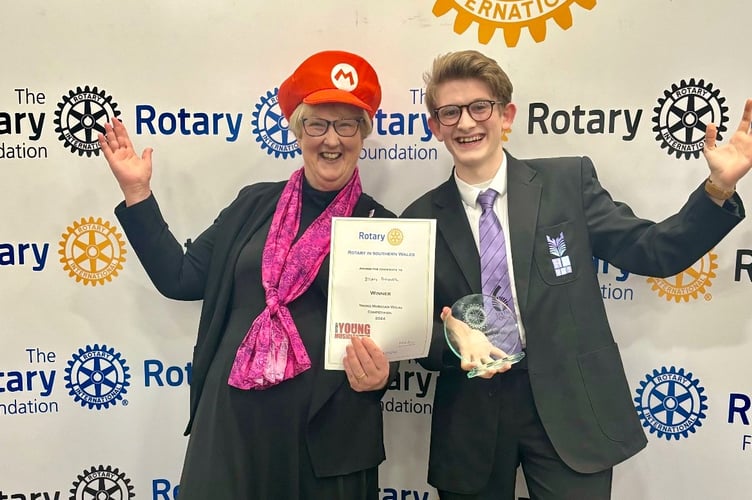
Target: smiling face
[(329, 160), (474, 146)]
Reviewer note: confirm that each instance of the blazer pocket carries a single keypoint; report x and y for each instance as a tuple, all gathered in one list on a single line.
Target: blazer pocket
[(554, 254), (606, 386)]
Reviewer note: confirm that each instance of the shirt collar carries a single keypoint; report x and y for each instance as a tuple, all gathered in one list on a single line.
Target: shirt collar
[(469, 192)]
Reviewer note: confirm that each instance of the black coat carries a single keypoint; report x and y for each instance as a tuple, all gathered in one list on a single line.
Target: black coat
[(205, 272), (575, 369)]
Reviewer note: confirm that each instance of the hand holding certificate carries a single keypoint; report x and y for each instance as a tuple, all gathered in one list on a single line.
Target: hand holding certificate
[(380, 286), (365, 365)]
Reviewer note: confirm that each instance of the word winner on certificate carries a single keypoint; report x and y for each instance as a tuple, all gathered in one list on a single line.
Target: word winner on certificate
[(381, 274)]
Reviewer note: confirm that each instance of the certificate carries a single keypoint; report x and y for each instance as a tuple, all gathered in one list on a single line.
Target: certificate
[(381, 274)]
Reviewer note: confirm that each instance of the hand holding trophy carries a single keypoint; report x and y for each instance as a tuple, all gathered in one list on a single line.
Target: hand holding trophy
[(482, 331)]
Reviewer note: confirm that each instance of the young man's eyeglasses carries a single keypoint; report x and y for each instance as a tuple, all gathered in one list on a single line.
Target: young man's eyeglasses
[(316, 127), (479, 111)]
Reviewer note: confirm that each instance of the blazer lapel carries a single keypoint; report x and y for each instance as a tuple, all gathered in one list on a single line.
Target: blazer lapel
[(330, 380), (235, 234), (362, 209), (454, 229), (523, 200)]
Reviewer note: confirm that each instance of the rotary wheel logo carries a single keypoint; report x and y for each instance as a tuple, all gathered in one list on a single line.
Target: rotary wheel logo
[(102, 483), (670, 403), (97, 377), (510, 16), (271, 128), (475, 316), (683, 114), (689, 282), (395, 237), (80, 116), (92, 251)]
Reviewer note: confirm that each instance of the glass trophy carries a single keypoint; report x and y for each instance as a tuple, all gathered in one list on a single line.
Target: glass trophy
[(483, 330)]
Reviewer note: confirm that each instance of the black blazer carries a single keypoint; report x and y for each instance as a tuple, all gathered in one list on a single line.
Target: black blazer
[(205, 272), (575, 369)]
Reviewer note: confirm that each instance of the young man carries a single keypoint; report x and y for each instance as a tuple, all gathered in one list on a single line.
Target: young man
[(565, 412)]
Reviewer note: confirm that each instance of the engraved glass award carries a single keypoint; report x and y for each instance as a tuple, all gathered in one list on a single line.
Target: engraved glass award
[(483, 331)]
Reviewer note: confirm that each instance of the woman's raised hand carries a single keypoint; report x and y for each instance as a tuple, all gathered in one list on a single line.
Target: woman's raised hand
[(132, 172)]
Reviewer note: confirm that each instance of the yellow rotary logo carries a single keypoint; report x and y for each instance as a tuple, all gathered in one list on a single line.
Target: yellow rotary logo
[(92, 251), (510, 16), (394, 237), (689, 282)]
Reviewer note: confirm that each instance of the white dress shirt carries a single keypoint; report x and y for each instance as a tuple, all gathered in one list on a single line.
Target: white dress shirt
[(469, 194)]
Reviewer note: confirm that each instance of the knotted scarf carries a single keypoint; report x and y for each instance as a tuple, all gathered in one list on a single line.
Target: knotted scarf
[(272, 350)]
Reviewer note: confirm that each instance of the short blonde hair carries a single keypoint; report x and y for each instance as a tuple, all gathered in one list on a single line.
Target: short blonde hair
[(303, 110), (467, 64)]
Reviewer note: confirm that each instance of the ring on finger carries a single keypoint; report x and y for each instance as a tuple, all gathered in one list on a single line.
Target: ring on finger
[(361, 376)]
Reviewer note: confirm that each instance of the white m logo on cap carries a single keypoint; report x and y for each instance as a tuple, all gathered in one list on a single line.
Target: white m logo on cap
[(344, 77)]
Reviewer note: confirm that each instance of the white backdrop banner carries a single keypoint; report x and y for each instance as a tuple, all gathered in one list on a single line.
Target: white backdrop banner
[(94, 365)]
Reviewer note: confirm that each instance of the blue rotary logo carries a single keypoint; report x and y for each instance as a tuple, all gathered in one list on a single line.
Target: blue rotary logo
[(271, 128), (671, 403), (97, 377)]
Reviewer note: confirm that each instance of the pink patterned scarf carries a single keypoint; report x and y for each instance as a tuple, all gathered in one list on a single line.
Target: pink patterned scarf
[(272, 350)]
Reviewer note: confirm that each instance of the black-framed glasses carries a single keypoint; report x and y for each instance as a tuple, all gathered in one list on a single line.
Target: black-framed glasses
[(316, 127), (479, 111)]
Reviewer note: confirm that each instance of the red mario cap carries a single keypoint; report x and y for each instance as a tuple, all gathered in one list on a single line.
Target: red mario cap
[(331, 77)]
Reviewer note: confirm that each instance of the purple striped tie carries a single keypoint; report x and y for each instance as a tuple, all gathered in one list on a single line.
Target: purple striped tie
[(494, 270)]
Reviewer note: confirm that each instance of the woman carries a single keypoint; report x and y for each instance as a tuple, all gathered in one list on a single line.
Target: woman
[(267, 421)]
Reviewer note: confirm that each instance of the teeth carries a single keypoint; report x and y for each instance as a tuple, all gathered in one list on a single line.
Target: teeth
[(465, 140), (330, 156)]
